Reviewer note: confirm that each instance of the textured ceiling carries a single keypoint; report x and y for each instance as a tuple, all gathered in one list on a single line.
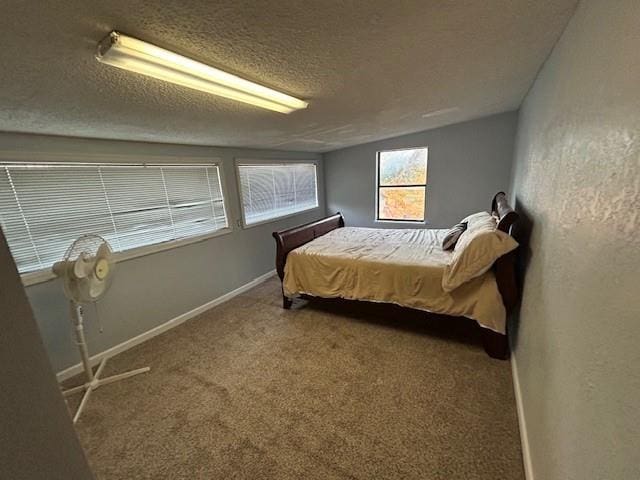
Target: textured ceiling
[(370, 69)]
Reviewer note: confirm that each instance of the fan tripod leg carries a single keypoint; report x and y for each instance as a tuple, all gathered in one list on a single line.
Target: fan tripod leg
[(122, 376), (93, 380), (87, 387)]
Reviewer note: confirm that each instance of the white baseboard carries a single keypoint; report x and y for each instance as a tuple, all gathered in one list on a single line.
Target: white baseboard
[(522, 423), (174, 322)]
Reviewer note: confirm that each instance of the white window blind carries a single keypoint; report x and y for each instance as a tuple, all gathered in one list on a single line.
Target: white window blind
[(45, 207), (274, 190)]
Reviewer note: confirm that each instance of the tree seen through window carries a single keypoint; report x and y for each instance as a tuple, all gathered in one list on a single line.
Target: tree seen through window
[(402, 184)]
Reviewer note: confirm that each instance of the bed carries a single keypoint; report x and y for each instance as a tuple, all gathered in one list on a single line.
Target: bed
[(403, 267)]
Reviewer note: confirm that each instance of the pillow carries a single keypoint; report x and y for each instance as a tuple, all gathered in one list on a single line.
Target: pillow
[(474, 218), (481, 221), (477, 248), (453, 235)]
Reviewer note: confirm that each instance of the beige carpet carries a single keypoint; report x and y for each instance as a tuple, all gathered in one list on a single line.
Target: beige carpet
[(248, 390)]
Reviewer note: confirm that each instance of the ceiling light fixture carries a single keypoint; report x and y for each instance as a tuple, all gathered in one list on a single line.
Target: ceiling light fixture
[(135, 55)]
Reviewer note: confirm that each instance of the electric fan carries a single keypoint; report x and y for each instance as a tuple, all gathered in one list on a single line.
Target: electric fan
[(87, 271)]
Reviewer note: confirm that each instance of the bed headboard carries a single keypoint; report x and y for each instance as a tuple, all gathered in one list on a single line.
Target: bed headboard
[(504, 267), (500, 208), (287, 240)]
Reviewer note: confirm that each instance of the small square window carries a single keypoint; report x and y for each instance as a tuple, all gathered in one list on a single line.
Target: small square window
[(402, 185)]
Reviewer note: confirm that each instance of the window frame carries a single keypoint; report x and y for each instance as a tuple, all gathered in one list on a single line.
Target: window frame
[(242, 162), (89, 159), (377, 218)]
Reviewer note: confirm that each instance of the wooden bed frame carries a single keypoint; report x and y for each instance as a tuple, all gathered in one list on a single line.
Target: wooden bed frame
[(495, 344)]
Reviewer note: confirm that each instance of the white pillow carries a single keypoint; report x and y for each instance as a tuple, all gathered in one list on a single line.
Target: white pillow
[(475, 218), (477, 248)]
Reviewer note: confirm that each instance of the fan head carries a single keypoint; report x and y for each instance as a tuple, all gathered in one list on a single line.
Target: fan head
[(87, 269)]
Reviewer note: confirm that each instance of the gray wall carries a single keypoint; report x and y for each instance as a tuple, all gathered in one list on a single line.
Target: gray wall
[(577, 179), (468, 163), (153, 289), (37, 439)]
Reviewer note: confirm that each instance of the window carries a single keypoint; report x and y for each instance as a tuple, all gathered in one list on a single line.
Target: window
[(402, 185), (271, 191), (45, 207)]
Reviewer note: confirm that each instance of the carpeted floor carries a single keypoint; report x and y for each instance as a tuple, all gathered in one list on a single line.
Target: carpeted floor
[(248, 390)]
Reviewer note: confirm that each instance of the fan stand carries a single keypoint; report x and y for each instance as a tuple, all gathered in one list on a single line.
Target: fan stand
[(93, 380)]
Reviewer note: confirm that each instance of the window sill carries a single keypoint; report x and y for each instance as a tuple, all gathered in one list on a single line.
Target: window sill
[(403, 222), (276, 219), (44, 275)]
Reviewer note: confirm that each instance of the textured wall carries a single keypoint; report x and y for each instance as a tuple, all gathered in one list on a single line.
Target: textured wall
[(153, 289), (577, 178), (468, 163), (37, 440)]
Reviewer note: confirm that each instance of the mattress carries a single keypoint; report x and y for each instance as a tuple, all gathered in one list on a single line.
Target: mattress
[(401, 266)]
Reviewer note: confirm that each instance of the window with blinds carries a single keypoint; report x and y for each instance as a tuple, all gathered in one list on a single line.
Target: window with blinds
[(271, 191), (44, 207)]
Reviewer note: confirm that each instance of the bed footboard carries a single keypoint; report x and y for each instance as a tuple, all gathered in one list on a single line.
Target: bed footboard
[(287, 240)]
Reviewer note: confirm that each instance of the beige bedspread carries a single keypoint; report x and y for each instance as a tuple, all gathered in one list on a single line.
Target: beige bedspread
[(404, 267)]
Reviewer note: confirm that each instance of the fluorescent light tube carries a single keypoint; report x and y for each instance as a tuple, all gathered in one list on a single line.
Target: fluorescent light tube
[(137, 56)]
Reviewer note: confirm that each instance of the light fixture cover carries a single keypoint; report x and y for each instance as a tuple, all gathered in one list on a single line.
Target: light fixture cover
[(135, 55)]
